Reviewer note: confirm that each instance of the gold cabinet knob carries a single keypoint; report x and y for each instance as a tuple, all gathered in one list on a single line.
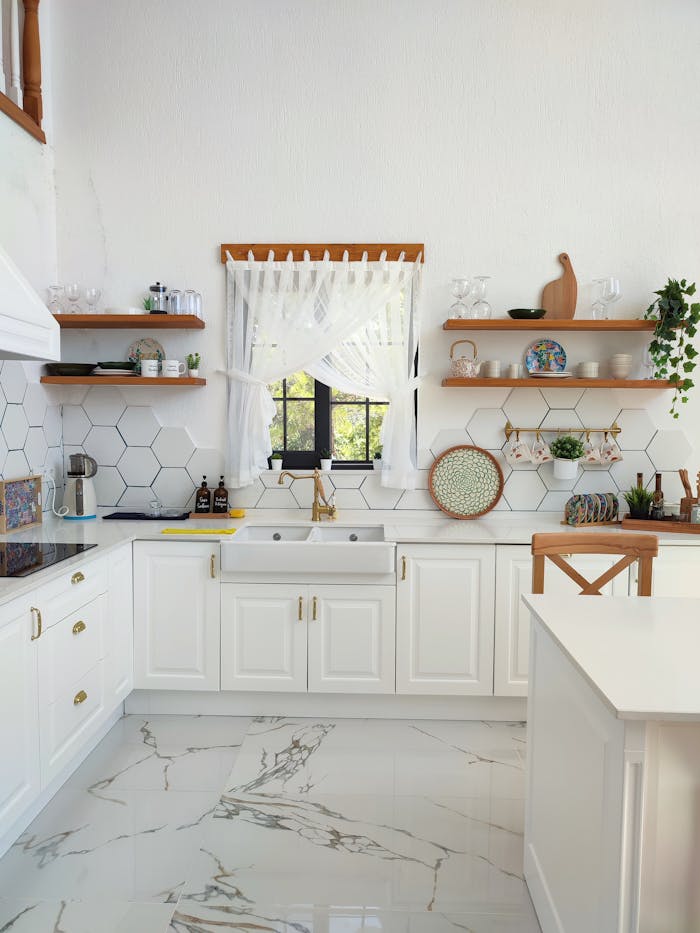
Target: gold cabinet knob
[(77, 577), (80, 697), (79, 627)]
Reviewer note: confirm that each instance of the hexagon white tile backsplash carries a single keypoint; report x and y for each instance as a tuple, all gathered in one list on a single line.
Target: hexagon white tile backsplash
[(637, 429), (486, 427), (173, 447), (669, 450), (525, 408), (104, 405)]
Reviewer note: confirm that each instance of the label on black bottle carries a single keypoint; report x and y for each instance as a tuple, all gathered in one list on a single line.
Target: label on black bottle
[(202, 501), (220, 501)]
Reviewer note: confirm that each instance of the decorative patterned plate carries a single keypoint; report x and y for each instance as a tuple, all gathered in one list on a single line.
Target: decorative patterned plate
[(545, 356), (146, 349), (465, 481)]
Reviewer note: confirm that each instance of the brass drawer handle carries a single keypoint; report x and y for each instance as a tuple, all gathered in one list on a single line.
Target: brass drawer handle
[(80, 697), (300, 616), (314, 603), (79, 627), (36, 611), (77, 577), (211, 566), (403, 568)]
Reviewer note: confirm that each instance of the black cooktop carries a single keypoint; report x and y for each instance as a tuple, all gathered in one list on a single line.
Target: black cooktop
[(20, 558)]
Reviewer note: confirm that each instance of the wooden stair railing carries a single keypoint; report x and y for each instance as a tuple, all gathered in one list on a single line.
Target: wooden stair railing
[(27, 108)]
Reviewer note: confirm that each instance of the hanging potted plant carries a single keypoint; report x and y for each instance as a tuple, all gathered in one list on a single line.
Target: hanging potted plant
[(276, 461), (671, 349), (639, 501), (325, 458), (567, 451)]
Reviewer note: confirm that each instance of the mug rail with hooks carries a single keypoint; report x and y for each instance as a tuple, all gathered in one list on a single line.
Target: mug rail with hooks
[(509, 429)]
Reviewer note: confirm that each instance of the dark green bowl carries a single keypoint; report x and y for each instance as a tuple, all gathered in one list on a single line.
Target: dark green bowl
[(122, 364), (526, 314)]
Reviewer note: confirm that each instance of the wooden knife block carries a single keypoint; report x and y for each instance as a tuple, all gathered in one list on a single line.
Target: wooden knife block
[(686, 504)]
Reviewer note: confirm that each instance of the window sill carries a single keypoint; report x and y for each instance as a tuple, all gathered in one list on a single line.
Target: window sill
[(15, 113)]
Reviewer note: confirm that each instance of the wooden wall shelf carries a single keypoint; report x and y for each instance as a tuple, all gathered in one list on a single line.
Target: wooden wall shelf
[(552, 325), (122, 381), (129, 322), (573, 383)]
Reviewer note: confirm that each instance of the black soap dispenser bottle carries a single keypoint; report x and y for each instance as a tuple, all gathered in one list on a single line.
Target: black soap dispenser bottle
[(202, 503), (220, 498)]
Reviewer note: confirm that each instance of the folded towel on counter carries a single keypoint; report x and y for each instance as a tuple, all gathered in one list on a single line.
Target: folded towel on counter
[(198, 531)]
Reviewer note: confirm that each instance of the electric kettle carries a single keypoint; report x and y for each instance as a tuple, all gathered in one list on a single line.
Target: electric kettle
[(79, 498)]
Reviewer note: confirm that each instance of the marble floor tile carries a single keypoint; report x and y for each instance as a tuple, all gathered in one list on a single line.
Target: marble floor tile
[(201, 918), (138, 847), (84, 917), (380, 757), (406, 853)]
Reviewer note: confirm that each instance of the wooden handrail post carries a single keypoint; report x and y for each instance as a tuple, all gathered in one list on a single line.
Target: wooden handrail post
[(31, 51)]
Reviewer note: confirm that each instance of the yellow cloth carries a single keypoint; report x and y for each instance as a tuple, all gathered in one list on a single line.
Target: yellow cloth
[(198, 531), (237, 513)]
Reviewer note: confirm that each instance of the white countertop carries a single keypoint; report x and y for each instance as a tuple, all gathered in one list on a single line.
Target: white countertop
[(639, 654), (417, 527)]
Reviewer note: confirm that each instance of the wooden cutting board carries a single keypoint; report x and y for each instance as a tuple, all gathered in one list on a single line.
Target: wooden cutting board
[(559, 296)]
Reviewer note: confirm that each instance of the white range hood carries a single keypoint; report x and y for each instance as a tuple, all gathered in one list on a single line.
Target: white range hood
[(28, 330)]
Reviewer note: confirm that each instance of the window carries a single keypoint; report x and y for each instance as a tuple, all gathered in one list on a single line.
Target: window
[(311, 417)]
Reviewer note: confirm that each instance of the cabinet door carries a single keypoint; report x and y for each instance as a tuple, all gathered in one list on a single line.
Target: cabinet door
[(119, 630), (19, 719), (351, 639), (444, 620), (676, 572), (176, 615), (263, 637), (512, 629)]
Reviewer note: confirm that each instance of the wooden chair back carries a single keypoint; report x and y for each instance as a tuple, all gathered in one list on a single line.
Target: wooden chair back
[(630, 548)]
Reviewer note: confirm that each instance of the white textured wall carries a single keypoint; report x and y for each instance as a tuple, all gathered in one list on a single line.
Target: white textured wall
[(499, 133)]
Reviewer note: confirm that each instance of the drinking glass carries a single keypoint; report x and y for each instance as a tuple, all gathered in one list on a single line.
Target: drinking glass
[(608, 289), (460, 290), (56, 296), (648, 368), (92, 296), (189, 303), (198, 305), (73, 296), (176, 301), (480, 308)]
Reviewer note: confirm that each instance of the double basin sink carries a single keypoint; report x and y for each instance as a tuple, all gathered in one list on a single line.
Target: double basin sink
[(279, 548)]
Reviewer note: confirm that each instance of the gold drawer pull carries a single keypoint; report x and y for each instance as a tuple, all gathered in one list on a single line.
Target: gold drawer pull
[(212, 564), (79, 627), (36, 611), (315, 608), (300, 616), (403, 568), (79, 698), (77, 577)]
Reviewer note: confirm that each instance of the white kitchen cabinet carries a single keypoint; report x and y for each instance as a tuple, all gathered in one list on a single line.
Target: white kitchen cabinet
[(176, 615), (320, 638), (119, 634), (444, 619), (20, 778), (512, 629), (676, 572), (351, 639), (263, 637)]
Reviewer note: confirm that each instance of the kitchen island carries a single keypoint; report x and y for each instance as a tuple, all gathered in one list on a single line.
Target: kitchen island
[(612, 827)]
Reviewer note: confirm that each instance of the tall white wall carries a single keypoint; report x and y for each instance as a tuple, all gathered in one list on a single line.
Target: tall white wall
[(499, 133)]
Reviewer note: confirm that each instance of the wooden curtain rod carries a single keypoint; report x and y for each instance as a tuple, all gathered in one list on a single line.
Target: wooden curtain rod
[(316, 251)]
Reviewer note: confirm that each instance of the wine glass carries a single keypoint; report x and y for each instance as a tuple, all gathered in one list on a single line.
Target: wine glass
[(73, 296), (460, 290), (608, 293), (480, 308), (56, 295), (92, 296), (648, 367)]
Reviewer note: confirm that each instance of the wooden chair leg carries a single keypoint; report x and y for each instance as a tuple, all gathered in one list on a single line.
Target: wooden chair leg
[(644, 576), (538, 573)]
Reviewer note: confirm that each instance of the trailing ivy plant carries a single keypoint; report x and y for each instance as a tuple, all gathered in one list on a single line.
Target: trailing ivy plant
[(671, 349)]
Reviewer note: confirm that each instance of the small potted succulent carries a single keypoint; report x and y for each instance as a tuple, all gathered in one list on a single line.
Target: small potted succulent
[(193, 361), (567, 451), (639, 501), (326, 458), (276, 461), (377, 460)]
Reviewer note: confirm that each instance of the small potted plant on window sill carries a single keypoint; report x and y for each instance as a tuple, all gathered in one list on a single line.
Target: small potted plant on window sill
[(276, 461), (639, 501), (567, 451), (377, 462), (193, 361), (325, 458)]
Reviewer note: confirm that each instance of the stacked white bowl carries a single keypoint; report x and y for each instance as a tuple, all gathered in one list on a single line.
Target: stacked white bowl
[(621, 365)]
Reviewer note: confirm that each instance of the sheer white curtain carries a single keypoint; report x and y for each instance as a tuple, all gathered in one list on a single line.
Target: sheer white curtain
[(282, 317), (378, 361)]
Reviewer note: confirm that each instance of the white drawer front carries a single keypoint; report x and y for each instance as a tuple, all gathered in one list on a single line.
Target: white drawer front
[(70, 591), (67, 724), (70, 649)]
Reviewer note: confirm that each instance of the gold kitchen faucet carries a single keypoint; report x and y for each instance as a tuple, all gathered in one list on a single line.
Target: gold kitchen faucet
[(317, 510)]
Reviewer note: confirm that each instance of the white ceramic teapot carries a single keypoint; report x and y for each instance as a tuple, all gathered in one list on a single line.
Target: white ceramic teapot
[(462, 367)]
